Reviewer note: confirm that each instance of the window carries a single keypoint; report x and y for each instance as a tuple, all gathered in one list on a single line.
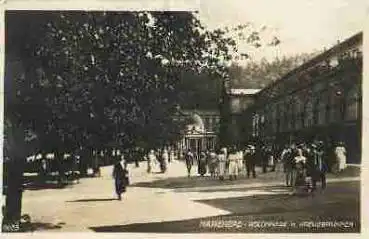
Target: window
[(280, 114), (298, 113), (321, 109), (335, 104), (286, 116), (352, 103), (308, 113), (274, 118), (289, 116)]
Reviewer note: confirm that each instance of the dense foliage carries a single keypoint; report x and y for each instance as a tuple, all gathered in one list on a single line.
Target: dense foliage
[(94, 79)]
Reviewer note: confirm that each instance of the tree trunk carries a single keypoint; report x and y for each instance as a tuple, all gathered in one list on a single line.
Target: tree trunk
[(59, 157), (14, 190), (15, 149), (85, 161)]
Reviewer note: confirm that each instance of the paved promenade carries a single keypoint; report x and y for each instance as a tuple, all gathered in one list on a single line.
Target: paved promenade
[(151, 198)]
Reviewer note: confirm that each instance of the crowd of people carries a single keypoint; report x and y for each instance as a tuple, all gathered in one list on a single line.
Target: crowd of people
[(304, 164)]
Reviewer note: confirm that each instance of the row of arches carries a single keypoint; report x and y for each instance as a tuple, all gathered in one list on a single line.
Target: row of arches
[(335, 103)]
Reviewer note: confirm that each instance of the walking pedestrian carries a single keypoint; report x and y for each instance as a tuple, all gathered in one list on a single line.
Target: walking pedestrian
[(202, 164), (318, 167), (151, 159), (166, 156), (264, 158), (171, 155), (340, 153), (250, 161), (290, 166), (301, 173), (233, 163), (222, 161), (212, 163), (163, 161), (119, 175), (270, 158), (189, 158)]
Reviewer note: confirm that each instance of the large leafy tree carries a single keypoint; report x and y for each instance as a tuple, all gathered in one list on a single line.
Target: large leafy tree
[(115, 74), (93, 79)]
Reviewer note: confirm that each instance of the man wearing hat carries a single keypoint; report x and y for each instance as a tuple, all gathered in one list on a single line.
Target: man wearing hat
[(290, 165), (250, 160), (317, 167)]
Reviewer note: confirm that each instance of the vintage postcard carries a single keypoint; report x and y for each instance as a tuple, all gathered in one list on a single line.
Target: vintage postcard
[(183, 117)]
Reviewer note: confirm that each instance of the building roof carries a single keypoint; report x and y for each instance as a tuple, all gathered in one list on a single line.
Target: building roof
[(357, 38), (243, 91)]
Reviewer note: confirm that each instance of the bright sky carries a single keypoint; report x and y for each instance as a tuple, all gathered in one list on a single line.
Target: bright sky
[(301, 25)]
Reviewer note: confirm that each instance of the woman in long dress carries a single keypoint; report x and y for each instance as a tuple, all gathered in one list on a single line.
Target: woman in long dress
[(222, 160), (120, 177), (151, 159), (212, 164), (340, 152), (189, 158), (202, 164), (165, 156), (233, 164), (301, 172), (171, 155)]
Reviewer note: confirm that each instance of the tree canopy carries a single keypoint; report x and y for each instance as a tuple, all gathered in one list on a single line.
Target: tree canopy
[(98, 78)]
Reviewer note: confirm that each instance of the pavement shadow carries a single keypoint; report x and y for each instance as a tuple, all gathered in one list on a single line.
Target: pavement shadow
[(94, 200), (244, 211), (43, 186), (335, 195), (331, 188), (273, 189), (195, 181), (39, 226), (350, 171), (235, 223), (35, 182)]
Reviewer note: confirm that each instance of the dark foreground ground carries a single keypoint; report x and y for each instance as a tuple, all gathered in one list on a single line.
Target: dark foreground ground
[(337, 210)]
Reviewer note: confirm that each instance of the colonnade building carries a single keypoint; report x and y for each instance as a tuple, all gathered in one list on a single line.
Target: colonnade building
[(321, 99)]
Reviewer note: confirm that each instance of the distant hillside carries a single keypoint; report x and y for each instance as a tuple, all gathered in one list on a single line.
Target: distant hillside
[(260, 74)]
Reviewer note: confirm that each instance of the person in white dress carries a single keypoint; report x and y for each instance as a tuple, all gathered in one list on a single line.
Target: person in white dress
[(340, 152), (165, 155), (233, 163), (301, 173), (241, 168), (171, 155), (151, 160), (222, 163), (213, 164)]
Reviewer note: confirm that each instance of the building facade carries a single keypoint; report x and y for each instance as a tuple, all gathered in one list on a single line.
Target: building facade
[(321, 99), (201, 131), (239, 100)]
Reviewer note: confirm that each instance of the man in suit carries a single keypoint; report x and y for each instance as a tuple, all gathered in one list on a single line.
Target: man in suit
[(317, 166)]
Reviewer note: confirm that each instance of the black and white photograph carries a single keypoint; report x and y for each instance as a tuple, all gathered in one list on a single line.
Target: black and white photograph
[(229, 117)]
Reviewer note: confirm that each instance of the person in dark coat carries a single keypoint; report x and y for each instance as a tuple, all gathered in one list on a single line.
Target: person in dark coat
[(120, 176), (317, 165), (290, 165), (189, 157), (264, 158), (250, 161), (202, 164)]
